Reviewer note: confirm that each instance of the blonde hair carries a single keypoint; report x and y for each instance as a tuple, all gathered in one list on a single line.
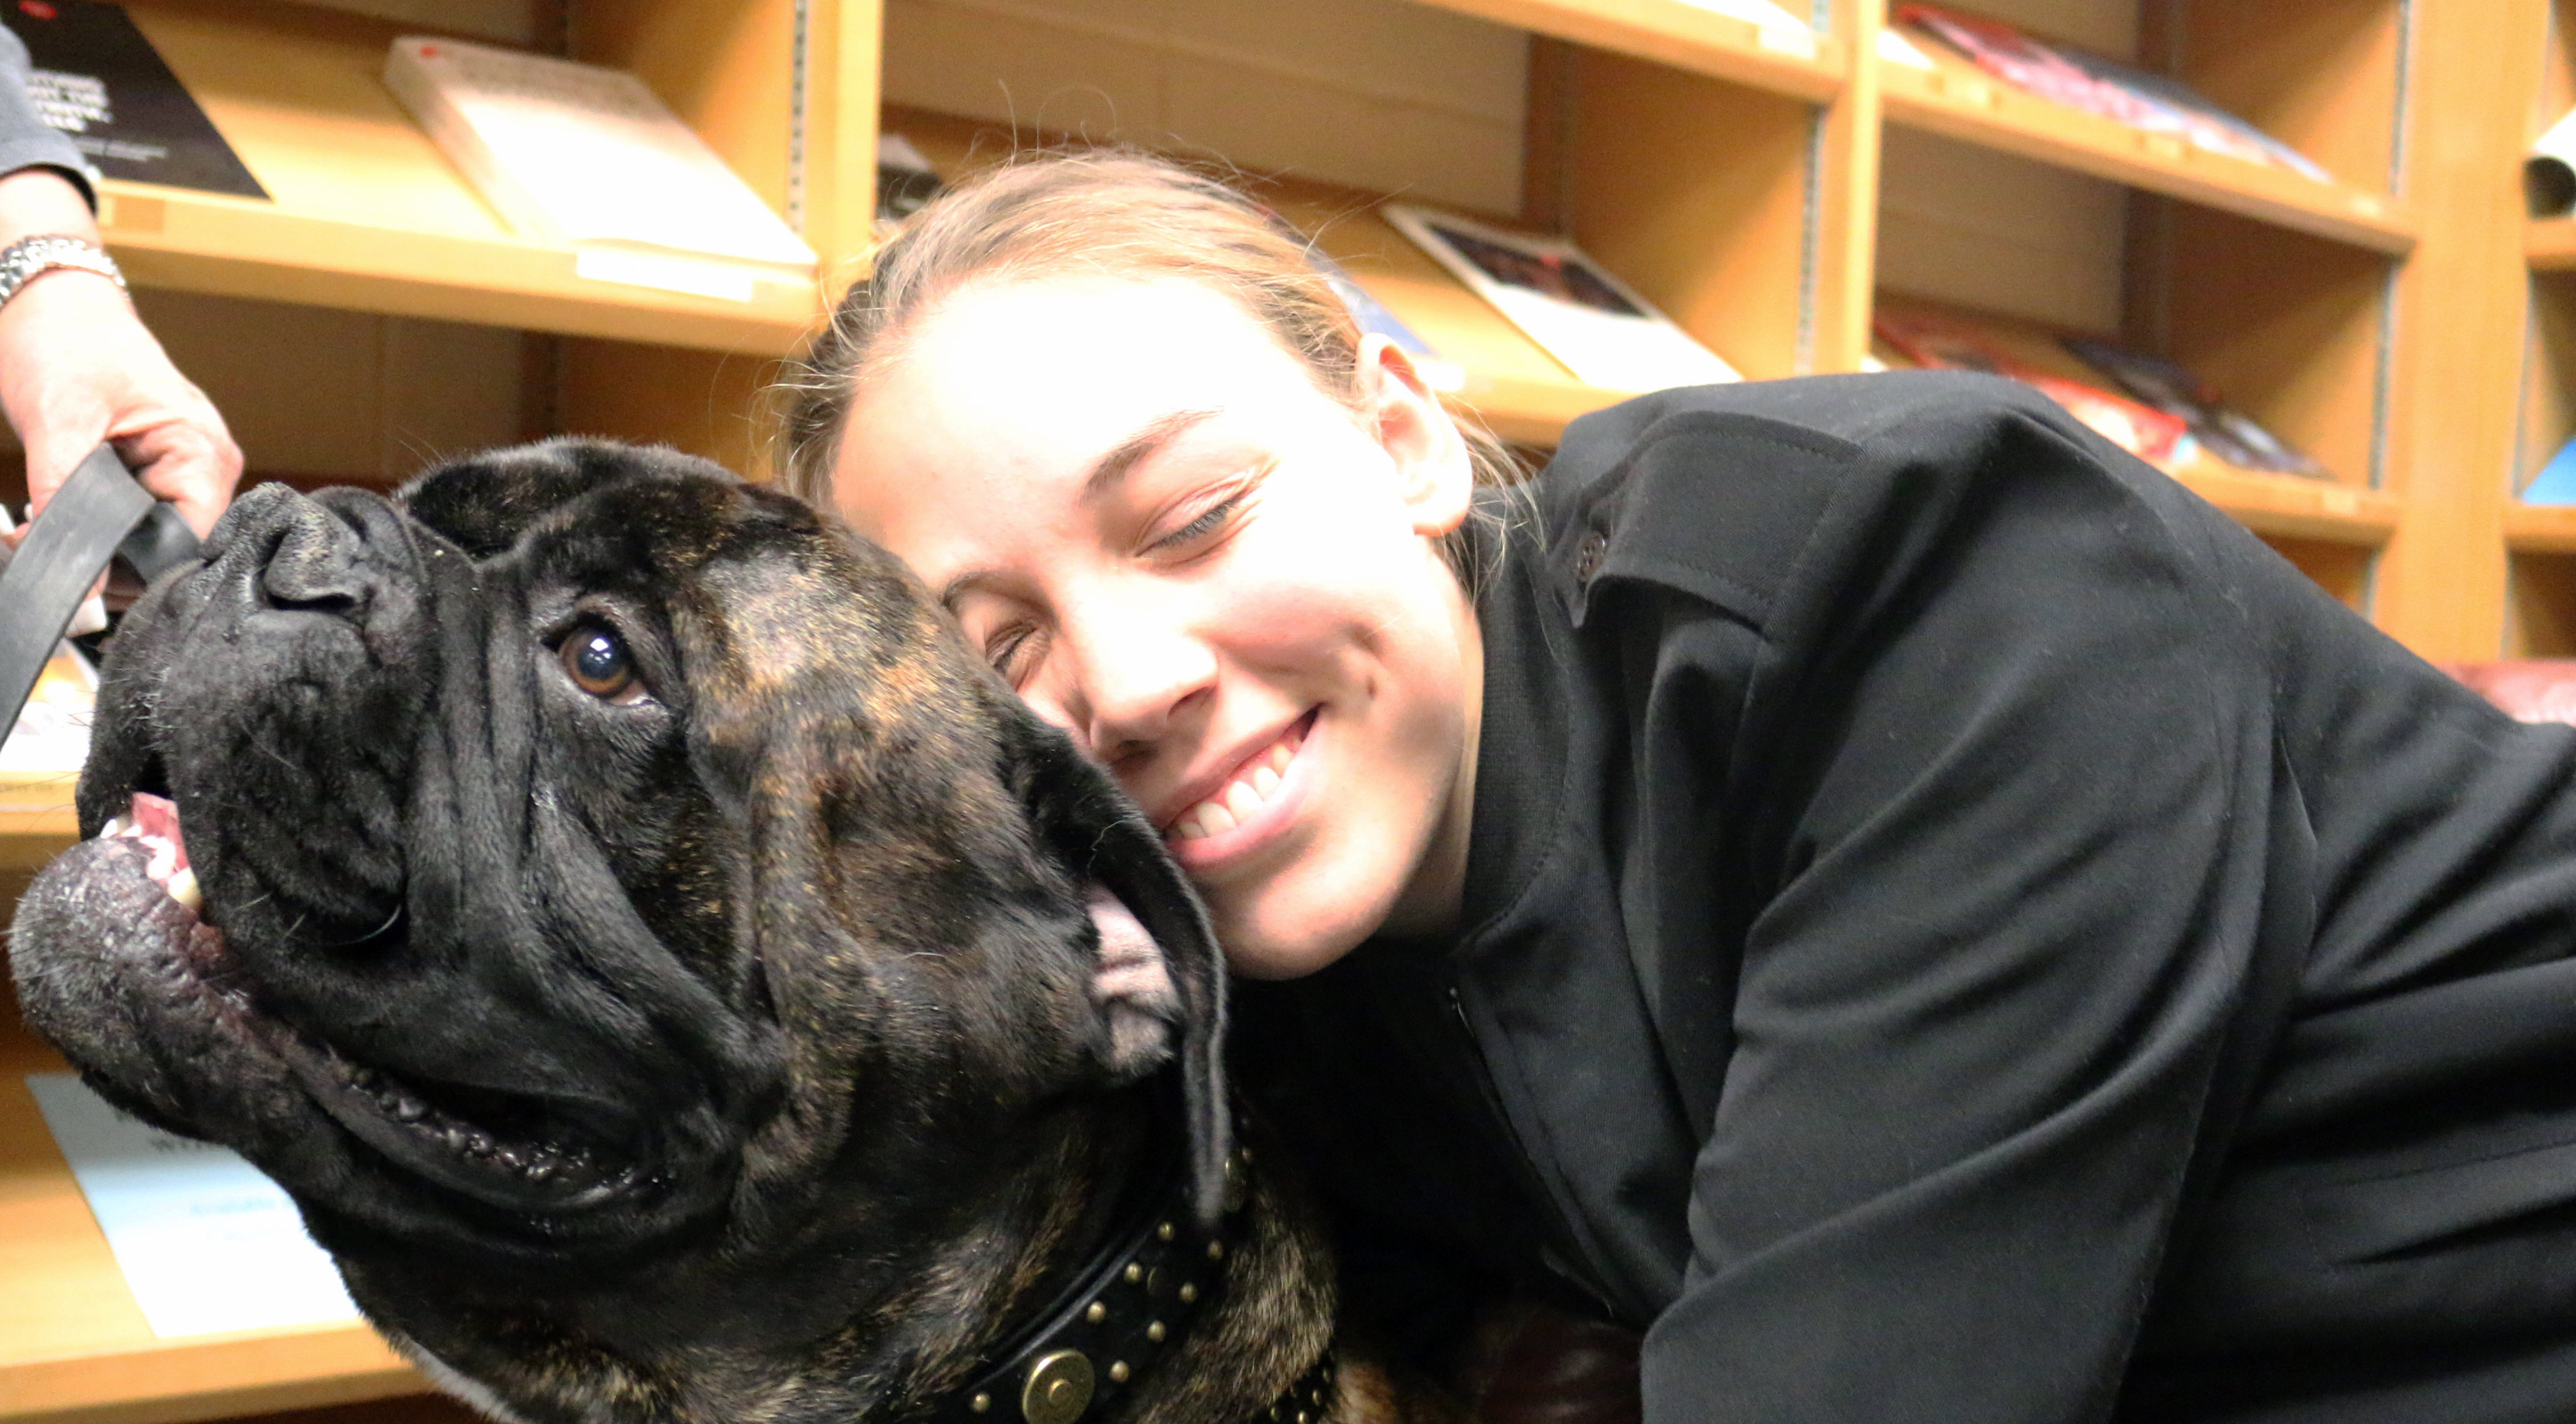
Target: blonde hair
[(1099, 212)]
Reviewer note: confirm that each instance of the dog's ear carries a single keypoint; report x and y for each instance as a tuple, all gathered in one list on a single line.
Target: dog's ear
[(484, 502), (1160, 978)]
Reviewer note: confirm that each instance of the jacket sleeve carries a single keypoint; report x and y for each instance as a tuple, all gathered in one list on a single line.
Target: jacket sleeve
[(2000, 787), (26, 141)]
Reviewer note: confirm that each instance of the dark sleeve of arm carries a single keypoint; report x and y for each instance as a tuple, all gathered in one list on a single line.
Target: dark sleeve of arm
[(25, 140), (2007, 766)]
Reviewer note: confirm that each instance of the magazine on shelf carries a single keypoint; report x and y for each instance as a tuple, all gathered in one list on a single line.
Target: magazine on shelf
[(905, 183), (1590, 321), (2153, 103), (94, 77), (1374, 319), (2222, 430), (588, 156), (2556, 482), (1949, 342), (2549, 170)]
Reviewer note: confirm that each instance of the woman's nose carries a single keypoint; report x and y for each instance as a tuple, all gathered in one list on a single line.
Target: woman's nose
[(1134, 680)]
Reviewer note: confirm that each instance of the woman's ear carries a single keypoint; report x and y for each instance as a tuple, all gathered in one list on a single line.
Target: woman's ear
[(1415, 430)]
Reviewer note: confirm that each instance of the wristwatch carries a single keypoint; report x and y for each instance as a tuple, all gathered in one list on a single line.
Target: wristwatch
[(22, 260)]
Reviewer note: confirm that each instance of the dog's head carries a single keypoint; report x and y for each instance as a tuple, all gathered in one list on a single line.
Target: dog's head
[(601, 861)]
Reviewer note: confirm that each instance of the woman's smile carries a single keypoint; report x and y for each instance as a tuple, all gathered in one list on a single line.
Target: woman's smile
[(1257, 801)]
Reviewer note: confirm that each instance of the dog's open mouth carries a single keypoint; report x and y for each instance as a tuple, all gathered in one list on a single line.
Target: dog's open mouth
[(513, 1150)]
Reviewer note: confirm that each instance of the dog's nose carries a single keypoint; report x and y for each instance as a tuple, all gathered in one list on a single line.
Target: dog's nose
[(308, 557)]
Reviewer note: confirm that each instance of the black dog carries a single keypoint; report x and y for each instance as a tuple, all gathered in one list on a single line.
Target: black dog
[(676, 981)]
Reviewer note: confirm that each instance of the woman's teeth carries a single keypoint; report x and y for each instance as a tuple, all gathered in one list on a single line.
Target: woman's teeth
[(1251, 788)]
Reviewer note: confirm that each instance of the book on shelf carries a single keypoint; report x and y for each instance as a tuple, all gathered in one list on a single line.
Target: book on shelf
[(1946, 341), (97, 80), (589, 157), (2225, 432), (2141, 99), (205, 1242), (50, 740), (1590, 321)]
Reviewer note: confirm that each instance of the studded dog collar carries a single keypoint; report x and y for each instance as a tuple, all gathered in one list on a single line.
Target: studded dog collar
[(1121, 1317)]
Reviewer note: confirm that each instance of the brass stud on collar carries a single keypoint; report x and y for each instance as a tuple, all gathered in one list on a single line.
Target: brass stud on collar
[(1058, 1388), (1154, 1331), (980, 1403), (1216, 1250), (1189, 1292), (1095, 1312), (1118, 1370), (1163, 1232), (1134, 1274)]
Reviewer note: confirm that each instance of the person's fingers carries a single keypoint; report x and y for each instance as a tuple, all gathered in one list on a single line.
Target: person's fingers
[(191, 462)]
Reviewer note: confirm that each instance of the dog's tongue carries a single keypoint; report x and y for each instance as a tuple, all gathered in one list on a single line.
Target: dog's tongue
[(158, 818)]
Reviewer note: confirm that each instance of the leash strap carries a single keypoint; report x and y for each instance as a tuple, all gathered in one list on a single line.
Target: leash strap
[(99, 513)]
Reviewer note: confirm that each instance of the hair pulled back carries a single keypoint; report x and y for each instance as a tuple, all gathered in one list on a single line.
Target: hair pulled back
[(1106, 212)]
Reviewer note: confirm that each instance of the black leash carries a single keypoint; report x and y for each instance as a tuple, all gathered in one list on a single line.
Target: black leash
[(99, 514)]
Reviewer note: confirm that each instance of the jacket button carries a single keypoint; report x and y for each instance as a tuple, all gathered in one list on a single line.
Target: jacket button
[(1587, 555)]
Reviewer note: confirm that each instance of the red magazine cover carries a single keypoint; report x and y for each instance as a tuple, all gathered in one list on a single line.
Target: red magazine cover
[(1951, 343), (2153, 102)]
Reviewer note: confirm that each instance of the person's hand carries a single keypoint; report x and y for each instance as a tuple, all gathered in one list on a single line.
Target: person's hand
[(77, 366)]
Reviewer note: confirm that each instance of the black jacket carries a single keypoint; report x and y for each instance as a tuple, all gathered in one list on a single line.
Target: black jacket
[(1957, 930)]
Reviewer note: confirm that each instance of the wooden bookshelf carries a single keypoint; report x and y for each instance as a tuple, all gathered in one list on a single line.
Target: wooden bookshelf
[(1957, 99), (1732, 175), (367, 214), (2550, 245)]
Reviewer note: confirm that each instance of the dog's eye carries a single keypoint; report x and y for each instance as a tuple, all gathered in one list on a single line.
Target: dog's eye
[(596, 660)]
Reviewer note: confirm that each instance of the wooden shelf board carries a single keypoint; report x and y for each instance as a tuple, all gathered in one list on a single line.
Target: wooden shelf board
[(1956, 99), (367, 214), (74, 1346), (2296, 508), (2540, 528), (2549, 244), (1684, 36), (1519, 391)]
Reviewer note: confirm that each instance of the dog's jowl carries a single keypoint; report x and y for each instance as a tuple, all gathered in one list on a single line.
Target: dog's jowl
[(675, 980)]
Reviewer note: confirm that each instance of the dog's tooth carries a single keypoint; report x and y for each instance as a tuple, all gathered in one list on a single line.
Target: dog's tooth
[(1266, 782), (1241, 801), (115, 827), (183, 888)]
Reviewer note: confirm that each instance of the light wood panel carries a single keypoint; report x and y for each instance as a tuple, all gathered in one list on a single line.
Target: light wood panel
[(1684, 36)]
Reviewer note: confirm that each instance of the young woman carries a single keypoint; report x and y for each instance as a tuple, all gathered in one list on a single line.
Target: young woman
[(1855, 877)]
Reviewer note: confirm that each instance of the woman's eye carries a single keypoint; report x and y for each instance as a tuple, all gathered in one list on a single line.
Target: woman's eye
[(596, 660), (1010, 649), (1208, 522)]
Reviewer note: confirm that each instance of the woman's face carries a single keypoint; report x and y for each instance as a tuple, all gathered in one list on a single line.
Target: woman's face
[(1221, 581)]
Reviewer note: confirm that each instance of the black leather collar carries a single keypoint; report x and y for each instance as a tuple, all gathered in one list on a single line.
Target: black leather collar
[(1125, 1312)]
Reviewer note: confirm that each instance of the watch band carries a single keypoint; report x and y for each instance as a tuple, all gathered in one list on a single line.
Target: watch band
[(22, 261)]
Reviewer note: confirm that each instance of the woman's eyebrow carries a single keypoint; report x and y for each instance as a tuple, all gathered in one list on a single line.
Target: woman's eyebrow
[(1136, 449), (1106, 472)]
